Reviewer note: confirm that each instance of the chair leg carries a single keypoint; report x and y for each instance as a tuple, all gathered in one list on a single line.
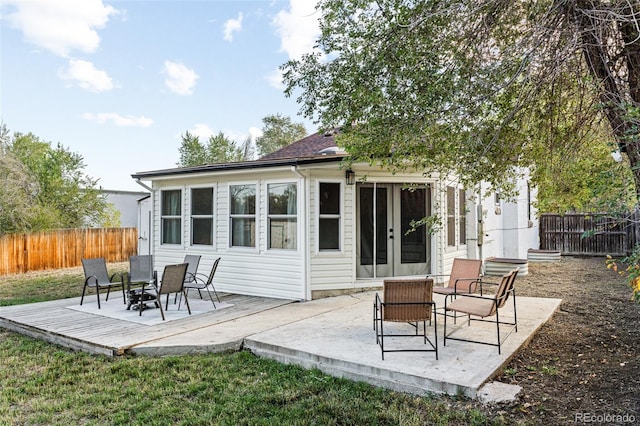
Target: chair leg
[(211, 297), (160, 306), (98, 295), (498, 330), (186, 301), (215, 292), (83, 290)]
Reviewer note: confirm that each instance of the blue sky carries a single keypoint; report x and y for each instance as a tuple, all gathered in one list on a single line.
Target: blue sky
[(119, 81)]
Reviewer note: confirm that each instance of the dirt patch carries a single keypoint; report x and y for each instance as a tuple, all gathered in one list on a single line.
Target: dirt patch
[(583, 365)]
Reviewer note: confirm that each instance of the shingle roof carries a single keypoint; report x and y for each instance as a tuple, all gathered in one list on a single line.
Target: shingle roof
[(310, 146)]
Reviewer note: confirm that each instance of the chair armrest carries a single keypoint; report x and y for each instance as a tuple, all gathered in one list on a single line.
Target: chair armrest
[(470, 280), (121, 277)]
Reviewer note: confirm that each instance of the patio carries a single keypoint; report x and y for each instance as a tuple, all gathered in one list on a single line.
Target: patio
[(333, 334)]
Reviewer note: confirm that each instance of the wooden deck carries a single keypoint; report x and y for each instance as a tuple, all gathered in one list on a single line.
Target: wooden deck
[(55, 323)]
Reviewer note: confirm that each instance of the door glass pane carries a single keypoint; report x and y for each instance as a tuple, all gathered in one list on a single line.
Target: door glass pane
[(413, 246), (367, 226)]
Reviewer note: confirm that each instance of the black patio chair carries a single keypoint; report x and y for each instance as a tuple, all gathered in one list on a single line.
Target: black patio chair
[(140, 273), (204, 282), (96, 275), (172, 281)]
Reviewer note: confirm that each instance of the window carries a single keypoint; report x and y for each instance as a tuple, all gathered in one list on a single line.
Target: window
[(462, 216), (329, 218), (202, 216), (243, 215), (282, 215), (451, 216), (171, 216)]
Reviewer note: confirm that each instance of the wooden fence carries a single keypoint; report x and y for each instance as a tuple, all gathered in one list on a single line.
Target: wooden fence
[(64, 248), (590, 234)]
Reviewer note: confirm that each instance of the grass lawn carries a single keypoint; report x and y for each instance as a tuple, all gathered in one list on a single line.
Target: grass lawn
[(45, 384)]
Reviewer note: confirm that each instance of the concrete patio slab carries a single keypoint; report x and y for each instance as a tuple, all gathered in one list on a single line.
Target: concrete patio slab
[(342, 343)]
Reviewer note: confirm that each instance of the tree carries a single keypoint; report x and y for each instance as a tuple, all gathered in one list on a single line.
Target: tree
[(218, 149), (278, 131), (465, 86), (45, 187)]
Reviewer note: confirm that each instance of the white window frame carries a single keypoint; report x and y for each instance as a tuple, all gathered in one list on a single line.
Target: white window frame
[(269, 216), (211, 216), (339, 216), (255, 216), (461, 205), (456, 215), (180, 217)]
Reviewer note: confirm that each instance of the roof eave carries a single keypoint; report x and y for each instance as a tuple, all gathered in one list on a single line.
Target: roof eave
[(256, 164)]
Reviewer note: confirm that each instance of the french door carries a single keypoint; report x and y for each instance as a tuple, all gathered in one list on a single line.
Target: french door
[(386, 245)]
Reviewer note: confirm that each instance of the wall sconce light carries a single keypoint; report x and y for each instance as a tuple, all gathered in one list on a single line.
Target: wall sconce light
[(351, 177)]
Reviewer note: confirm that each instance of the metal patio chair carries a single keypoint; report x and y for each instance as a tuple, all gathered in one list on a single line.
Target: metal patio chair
[(140, 273), (96, 275), (172, 281), (192, 261), (481, 308), (406, 301), (204, 282), (464, 277)]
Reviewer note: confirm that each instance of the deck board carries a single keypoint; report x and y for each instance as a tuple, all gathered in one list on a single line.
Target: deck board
[(53, 322)]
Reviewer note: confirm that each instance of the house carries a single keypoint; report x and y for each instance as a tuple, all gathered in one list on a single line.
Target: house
[(295, 224), (126, 202)]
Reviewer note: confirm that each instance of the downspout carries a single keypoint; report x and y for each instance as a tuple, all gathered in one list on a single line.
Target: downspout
[(150, 231), (304, 246), (139, 182)]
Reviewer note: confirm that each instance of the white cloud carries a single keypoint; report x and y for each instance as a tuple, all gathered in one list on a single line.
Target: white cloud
[(180, 79), (255, 132), (275, 79), (117, 119), (87, 76), (202, 131), (232, 26), (298, 28), (60, 26)]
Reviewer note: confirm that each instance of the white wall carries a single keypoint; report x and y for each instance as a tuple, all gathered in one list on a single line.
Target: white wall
[(255, 271), (510, 226), (126, 202)]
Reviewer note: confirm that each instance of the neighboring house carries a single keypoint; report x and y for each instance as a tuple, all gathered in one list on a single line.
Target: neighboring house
[(295, 224), (127, 203)]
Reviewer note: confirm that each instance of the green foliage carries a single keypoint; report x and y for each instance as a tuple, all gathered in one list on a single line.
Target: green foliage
[(52, 385), (218, 149), (45, 187), (278, 131), (471, 88), (630, 270)]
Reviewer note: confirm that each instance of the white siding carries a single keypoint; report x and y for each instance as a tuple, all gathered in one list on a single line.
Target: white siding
[(332, 270), (259, 271)]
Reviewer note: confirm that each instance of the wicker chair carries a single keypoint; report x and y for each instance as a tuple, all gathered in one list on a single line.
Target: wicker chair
[(464, 277), (406, 301), (479, 308)]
